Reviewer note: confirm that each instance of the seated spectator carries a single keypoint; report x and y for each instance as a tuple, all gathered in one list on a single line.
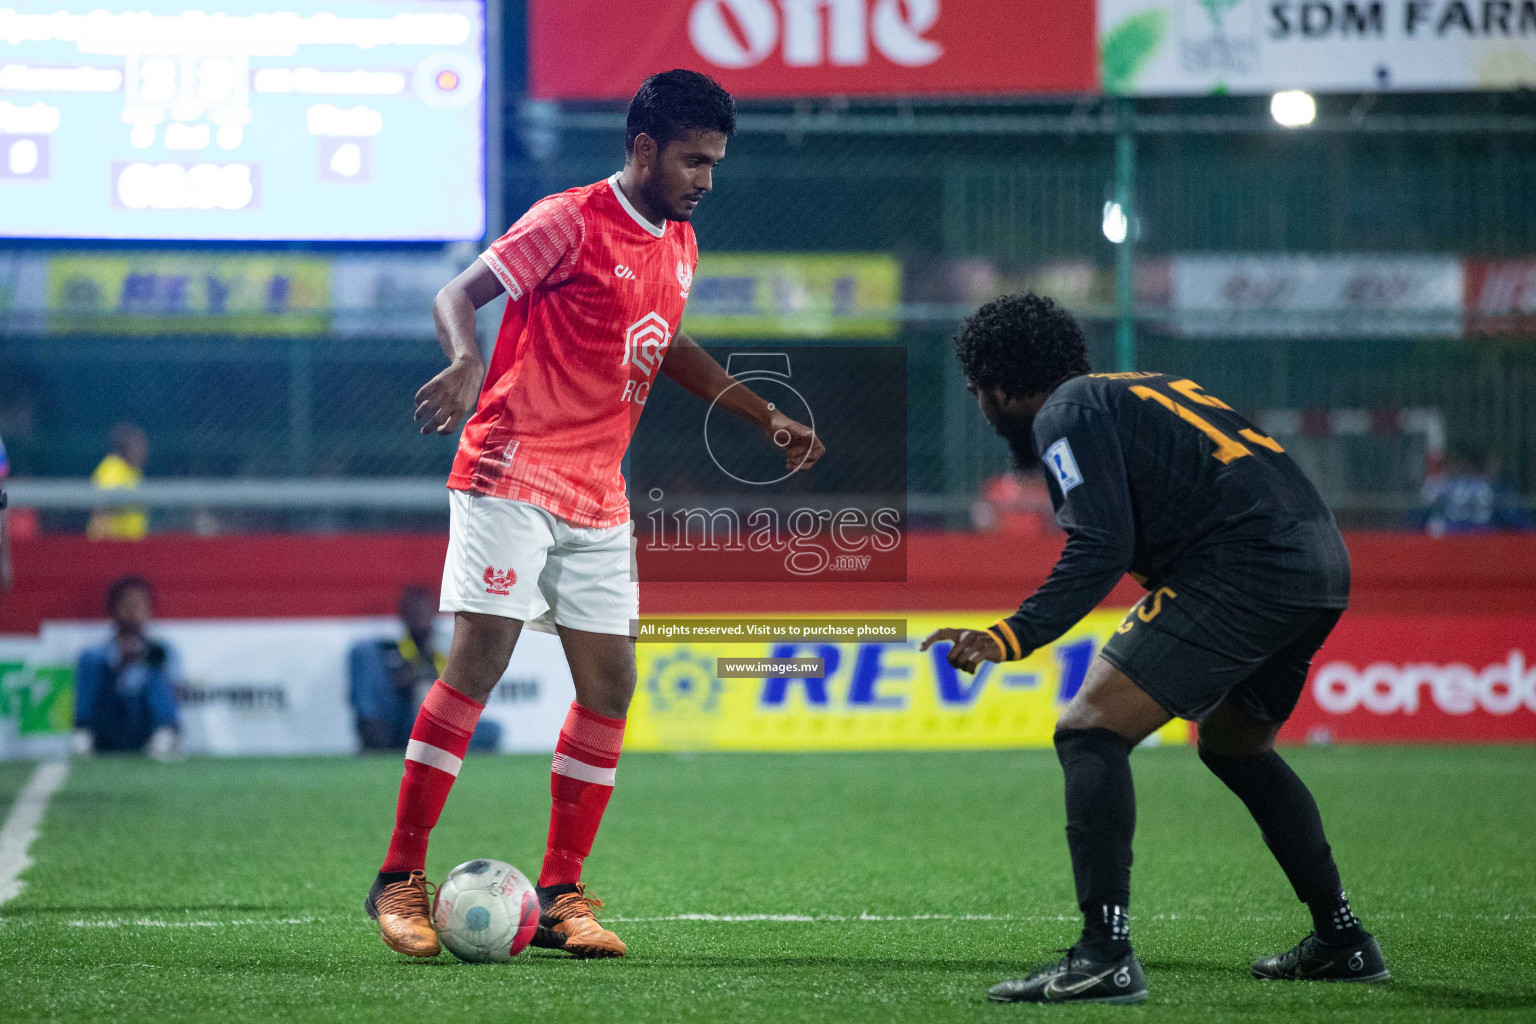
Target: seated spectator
[(391, 677), (1467, 498), (125, 689)]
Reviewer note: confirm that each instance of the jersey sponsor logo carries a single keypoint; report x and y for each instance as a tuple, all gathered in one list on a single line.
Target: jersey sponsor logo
[(684, 278), (1456, 689), (623, 273), (1061, 462), (499, 582), (509, 452), (645, 346)]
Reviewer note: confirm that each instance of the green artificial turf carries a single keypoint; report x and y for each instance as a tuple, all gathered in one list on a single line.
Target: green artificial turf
[(231, 890)]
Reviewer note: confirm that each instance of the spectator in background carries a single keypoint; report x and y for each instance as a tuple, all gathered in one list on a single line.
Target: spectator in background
[(6, 575), (1015, 503), (123, 469), (125, 689), (391, 677), (1467, 498)]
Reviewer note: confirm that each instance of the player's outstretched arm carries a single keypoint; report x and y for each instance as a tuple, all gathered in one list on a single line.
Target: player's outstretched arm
[(699, 372), (443, 401)]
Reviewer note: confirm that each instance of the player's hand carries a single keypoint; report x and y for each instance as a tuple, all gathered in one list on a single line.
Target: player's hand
[(800, 444), (971, 647), (444, 400)]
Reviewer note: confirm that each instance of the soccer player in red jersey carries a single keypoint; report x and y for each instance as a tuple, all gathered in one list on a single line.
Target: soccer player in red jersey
[(539, 528)]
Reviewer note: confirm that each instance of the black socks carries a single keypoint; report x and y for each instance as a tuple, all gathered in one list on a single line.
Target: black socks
[(1334, 922), (1293, 830), (1101, 819)]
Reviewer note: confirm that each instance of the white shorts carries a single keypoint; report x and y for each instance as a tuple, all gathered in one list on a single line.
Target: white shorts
[(515, 559)]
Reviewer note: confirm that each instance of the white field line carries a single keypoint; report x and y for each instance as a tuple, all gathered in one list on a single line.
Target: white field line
[(151, 922), (21, 824), (268, 922)]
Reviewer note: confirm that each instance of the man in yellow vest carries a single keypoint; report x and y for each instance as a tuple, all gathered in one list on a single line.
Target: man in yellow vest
[(121, 470)]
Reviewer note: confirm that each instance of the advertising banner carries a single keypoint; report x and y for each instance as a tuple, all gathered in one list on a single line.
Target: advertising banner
[(280, 686), (1421, 679), (391, 296), (794, 295), (1177, 47), (36, 700), (212, 293), (1500, 296), (589, 49), (1317, 296), (873, 696)]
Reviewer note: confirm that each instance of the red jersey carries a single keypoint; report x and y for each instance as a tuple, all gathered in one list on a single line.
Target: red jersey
[(595, 294)]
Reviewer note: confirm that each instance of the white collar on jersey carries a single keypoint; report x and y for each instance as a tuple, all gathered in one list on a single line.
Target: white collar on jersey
[(624, 202)]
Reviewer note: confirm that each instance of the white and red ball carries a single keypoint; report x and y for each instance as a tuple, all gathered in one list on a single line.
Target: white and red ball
[(486, 911)]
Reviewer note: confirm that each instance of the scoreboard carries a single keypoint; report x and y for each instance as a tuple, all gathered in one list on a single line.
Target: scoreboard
[(322, 120)]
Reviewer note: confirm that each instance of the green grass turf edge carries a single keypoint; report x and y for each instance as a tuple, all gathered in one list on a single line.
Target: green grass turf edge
[(232, 888)]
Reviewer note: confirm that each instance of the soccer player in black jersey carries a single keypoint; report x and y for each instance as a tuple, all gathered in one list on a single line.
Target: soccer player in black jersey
[(1246, 574)]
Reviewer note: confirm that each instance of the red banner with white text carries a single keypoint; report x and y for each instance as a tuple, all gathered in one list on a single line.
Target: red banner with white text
[(595, 49), (1421, 678)]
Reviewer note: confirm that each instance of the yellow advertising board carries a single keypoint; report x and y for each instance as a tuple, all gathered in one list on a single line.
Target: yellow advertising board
[(148, 292), (875, 696), (794, 295)]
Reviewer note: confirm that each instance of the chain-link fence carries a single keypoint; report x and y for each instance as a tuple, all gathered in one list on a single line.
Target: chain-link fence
[(971, 202)]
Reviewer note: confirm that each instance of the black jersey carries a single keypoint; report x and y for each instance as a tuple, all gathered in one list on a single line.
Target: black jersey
[(1150, 475)]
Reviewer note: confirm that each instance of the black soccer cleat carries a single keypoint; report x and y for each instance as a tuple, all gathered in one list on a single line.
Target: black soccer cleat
[(1077, 979), (1315, 960)]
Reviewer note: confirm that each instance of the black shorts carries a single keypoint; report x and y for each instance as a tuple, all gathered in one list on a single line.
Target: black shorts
[(1190, 652)]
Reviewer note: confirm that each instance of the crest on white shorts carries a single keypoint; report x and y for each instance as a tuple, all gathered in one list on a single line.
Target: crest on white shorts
[(498, 581)]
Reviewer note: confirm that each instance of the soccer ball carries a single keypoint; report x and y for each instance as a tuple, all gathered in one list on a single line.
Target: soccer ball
[(485, 911)]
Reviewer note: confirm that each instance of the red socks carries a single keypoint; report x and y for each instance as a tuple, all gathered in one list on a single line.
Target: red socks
[(432, 761), (581, 783)]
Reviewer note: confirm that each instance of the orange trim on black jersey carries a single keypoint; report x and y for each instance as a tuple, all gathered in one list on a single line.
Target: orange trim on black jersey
[(1011, 648)]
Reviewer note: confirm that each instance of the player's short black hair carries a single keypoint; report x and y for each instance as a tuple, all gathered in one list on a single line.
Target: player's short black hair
[(120, 586), (672, 103), (1022, 345)]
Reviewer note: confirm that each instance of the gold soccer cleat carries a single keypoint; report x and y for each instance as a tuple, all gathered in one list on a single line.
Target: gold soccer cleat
[(404, 915), (567, 922)]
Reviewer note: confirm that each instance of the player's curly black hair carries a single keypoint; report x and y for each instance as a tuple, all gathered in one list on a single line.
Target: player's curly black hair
[(673, 103), (1021, 345)]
